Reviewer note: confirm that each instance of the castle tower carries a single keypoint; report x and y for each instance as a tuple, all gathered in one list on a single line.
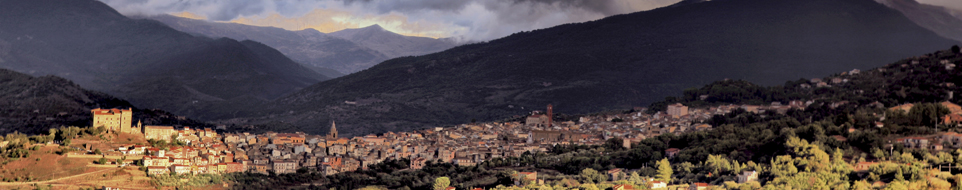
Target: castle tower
[(550, 115), (126, 118), (333, 133), (139, 128), (116, 120)]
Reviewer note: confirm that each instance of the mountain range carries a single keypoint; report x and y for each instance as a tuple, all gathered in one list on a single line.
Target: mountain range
[(346, 51), (143, 61), (613, 63), (617, 62)]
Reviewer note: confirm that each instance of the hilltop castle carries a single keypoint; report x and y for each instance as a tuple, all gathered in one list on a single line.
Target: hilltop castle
[(120, 120), (114, 119)]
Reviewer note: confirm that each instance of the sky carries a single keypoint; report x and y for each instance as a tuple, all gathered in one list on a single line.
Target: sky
[(466, 20)]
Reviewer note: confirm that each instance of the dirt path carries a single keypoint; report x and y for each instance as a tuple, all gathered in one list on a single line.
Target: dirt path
[(53, 180)]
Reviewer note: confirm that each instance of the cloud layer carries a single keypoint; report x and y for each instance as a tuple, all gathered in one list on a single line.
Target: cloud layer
[(461, 19)]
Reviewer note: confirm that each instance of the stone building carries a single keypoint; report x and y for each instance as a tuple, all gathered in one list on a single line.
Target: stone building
[(159, 132), (677, 110), (118, 120)]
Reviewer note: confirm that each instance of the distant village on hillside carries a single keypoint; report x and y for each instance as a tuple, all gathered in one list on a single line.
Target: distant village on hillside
[(206, 151)]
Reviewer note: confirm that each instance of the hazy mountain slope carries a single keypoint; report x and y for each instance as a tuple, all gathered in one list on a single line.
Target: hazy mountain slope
[(938, 19), (616, 62), (393, 44), (144, 61), (346, 51), (309, 46)]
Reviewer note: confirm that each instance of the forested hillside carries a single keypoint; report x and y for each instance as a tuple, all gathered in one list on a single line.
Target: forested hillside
[(614, 63), (819, 147), (32, 105)]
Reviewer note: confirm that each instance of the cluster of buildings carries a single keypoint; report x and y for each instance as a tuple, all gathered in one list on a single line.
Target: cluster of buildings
[(465, 145)]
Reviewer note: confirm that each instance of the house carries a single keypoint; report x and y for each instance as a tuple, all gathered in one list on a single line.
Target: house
[(284, 167), (747, 176), (158, 132), (261, 168), (952, 138), (658, 184), (234, 167), (157, 170), (677, 110), (418, 163), (864, 166), (464, 161), (180, 169), (300, 148), (327, 169), (698, 186), (530, 176), (537, 119), (914, 142), (288, 138), (616, 174), (623, 187), (671, 152), (953, 119)]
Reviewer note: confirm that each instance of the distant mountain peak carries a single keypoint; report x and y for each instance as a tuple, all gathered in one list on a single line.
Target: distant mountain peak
[(373, 27)]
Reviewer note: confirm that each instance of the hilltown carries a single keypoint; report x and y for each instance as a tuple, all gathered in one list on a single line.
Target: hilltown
[(206, 151)]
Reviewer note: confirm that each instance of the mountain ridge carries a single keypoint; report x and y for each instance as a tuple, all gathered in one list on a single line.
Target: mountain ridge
[(942, 20), (393, 44), (314, 48), (613, 63), (143, 61)]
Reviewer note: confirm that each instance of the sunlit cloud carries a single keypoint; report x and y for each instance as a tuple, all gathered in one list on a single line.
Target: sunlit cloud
[(327, 20), (475, 20)]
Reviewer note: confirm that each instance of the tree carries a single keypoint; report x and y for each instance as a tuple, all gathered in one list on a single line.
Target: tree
[(896, 185), (636, 179), (927, 114), (861, 185), (955, 49), (899, 175), (589, 186), (878, 153), (592, 176), (664, 170), (441, 183)]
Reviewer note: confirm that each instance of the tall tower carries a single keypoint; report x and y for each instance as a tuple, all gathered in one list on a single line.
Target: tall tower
[(333, 133), (126, 118), (550, 115)]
